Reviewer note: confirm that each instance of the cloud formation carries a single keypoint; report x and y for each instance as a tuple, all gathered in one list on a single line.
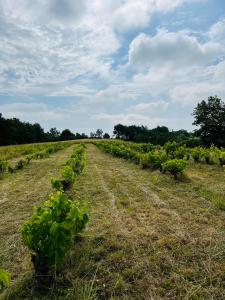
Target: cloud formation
[(177, 49), (131, 61)]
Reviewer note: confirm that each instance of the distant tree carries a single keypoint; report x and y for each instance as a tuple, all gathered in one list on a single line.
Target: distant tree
[(53, 134), (13, 131), (121, 131), (84, 136), (67, 135), (79, 136), (141, 134), (38, 133), (106, 136), (210, 118), (99, 133), (92, 135)]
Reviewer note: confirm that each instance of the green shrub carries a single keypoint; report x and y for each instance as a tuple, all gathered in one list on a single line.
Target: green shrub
[(135, 156), (77, 163), (153, 160), (170, 147), (222, 158), (28, 158), (57, 184), (197, 154), (180, 152), (208, 155), (175, 166), (20, 164), (68, 177), (5, 279), (42, 154), (11, 169), (50, 231), (3, 166)]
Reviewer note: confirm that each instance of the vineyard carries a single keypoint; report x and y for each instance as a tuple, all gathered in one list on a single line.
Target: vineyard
[(112, 220)]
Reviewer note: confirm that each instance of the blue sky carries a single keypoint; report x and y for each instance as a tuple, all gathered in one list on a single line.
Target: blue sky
[(85, 65)]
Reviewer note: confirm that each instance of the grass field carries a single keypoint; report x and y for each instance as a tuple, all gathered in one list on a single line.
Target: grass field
[(149, 236)]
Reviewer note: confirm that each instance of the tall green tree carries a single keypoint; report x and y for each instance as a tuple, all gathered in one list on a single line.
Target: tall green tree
[(67, 135), (210, 118)]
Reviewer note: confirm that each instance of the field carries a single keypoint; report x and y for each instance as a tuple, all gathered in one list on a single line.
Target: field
[(149, 236)]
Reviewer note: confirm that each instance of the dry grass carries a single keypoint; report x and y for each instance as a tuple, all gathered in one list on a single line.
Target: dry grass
[(149, 237)]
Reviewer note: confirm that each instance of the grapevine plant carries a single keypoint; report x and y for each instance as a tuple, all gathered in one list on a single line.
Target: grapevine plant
[(174, 166), (3, 166), (50, 232), (222, 158), (74, 166), (5, 279)]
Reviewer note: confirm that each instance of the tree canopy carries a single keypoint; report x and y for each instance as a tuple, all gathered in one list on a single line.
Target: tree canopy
[(159, 135), (13, 131), (210, 118)]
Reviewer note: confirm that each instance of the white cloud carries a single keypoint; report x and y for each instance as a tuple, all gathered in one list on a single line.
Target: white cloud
[(204, 83), (168, 5), (113, 94), (171, 48), (130, 119), (45, 59), (136, 14), (67, 10), (78, 48), (32, 112), (132, 15), (219, 71), (60, 12), (217, 31), (149, 108)]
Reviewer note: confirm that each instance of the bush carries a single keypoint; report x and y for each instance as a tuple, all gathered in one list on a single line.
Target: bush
[(170, 147), (42, 154), (180, 152), (209, 155), (28, 158), (135, 156), (57, 184), (5, 279), (68, 177), (50, 231), (3, 166), (175, 166), (153, 160), (10, 169), (20, 164), (77, 163), (222, 158), (197, 154)]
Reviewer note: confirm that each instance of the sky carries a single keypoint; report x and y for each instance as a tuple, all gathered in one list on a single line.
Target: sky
[(85, 65)]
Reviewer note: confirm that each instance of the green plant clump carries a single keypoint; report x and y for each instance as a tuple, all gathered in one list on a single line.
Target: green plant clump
[(174, 166), (56, 184), (50, 231), (68, 176), (20, 164), (153, 160), (197, 154), (222, 158), (3, 166), (5, 279), (77, 163)]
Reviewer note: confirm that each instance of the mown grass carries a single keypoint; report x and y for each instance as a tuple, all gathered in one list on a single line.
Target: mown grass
[(149, 237)]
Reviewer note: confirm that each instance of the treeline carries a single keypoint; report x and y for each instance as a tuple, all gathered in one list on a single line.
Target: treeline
[(209, 117), (13, 132), (156, 136)]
